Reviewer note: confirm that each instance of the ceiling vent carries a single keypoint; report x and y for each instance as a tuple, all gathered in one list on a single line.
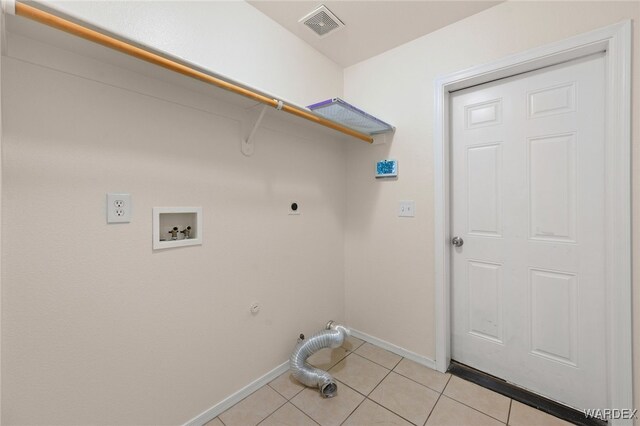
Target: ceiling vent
[(322, 22)]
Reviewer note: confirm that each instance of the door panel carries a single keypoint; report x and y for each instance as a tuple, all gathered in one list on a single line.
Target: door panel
[(484, 164), (527, 179), (552, 187), (554, 321), (485, 304)]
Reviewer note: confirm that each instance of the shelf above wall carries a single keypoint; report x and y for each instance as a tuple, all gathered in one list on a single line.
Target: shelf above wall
[(342, 112), (180, 67)]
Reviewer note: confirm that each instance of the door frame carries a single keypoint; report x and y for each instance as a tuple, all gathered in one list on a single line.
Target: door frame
[(615, 40)]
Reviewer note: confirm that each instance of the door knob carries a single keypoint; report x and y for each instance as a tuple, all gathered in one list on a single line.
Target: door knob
[(457, 241)]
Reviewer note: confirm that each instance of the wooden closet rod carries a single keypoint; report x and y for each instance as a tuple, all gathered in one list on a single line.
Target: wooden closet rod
[(54, 21)]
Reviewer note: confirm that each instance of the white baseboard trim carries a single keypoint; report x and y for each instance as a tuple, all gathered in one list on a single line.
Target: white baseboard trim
[(233, 399), (422, 360)]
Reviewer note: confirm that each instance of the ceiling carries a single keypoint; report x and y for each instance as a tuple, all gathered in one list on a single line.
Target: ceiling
[(371, 27)]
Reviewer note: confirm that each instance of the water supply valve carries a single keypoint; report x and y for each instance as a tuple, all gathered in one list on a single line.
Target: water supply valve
[(187, 232), (174, 233)]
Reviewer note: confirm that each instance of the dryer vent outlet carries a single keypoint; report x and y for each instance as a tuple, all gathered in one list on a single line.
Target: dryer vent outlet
[(322, 22)]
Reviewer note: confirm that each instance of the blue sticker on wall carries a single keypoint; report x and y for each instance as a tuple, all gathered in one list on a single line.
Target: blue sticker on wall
[(386, 168)]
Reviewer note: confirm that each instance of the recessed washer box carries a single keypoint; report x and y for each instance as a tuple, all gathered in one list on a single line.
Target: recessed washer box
[(176, 227)]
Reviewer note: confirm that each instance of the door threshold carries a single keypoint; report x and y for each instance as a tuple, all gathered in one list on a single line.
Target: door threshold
[(522, 395)]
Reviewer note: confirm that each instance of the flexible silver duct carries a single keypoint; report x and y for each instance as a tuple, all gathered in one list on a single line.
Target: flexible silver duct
[(332, 337)]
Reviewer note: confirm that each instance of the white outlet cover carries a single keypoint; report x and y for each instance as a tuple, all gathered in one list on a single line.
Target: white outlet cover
[(119, 208), (407, 208)]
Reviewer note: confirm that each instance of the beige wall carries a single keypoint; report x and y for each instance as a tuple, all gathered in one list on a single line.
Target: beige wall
[(230, 37), (390, 260), (95, 325), (97, 328)]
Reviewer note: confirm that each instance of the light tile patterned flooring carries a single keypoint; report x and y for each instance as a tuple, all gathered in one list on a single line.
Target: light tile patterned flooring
[(377, 387)]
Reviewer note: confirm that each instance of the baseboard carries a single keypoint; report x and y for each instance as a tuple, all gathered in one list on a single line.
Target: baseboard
[(233, 399), (422, 360)]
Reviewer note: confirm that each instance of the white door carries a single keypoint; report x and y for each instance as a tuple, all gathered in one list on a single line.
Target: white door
[(527, 180)]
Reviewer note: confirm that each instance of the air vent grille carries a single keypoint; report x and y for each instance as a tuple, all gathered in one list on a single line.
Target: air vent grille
[(321, 21)]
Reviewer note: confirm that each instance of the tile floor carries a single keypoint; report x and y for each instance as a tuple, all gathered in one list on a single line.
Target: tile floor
[(377, 387)]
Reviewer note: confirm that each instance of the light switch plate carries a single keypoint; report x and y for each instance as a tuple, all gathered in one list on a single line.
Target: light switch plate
[(407, 208), (119, 208)]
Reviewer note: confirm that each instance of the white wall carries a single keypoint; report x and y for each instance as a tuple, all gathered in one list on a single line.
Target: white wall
[(229, 37), (97, 328), (390, 260)]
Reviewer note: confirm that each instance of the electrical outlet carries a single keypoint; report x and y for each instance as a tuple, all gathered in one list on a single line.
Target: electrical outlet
[(119, 208)]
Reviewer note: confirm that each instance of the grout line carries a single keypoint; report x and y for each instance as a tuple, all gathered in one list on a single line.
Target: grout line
[(294, 407), (269, 384), (228, 409), (362, 342), (396, 364), (270, 414), (391, 411), (509, 415), (297, 393), (422, 384), (446, 384), (364, 357), (342, 359), (464, 403), (299, 408), (379, 383), (437, 400), (434, 406), (304, 414), (220, 420), (377, 363), (341, 384), (474, 409), (353, 389), (332, 365), (353, 411), (284, 396), (372, 390)]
